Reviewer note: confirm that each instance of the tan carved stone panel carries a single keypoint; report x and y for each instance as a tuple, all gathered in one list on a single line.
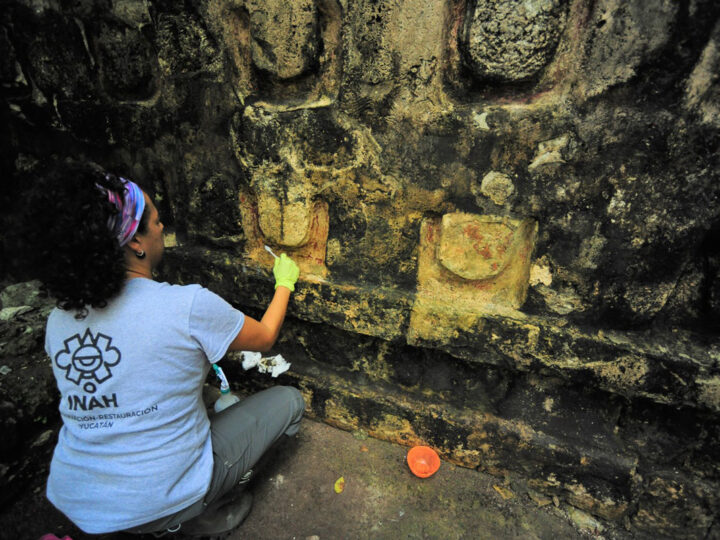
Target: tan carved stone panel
[(299, 229), (470, 265)]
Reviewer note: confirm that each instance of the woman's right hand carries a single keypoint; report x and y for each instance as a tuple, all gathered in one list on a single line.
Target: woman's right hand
[(286, 272)]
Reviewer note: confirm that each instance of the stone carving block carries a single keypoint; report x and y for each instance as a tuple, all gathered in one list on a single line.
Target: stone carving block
[(285, 219), (281, 52), (469, 266), (285, 36), (299, 229), (473, 247), (510, 41), (283, 205)]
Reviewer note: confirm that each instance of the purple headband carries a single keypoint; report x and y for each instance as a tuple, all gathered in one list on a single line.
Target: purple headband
[(130, 205)]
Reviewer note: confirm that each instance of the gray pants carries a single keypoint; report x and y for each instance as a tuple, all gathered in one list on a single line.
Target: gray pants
[(240, 436)]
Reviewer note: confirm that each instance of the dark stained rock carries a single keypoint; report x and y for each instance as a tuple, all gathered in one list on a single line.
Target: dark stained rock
[(10, 74), (681, 507), (64, 71), (28, 406), (624, 35), (184, 47), (127, 62)]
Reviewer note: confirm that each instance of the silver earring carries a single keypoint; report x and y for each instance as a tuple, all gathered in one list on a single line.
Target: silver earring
[(140, 254)]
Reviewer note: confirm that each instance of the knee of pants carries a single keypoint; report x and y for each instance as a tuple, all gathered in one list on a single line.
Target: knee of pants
[(294, 396)]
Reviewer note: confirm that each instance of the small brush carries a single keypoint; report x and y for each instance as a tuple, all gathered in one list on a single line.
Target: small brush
[(270, 251)]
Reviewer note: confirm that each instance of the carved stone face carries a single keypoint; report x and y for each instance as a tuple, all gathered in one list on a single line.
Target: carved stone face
[(473, 248), (284, 211)]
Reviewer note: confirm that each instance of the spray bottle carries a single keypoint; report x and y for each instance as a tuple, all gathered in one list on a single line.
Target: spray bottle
[(226, 398)]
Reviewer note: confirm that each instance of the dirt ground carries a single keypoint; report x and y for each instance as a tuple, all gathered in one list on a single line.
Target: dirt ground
[(295, 499)]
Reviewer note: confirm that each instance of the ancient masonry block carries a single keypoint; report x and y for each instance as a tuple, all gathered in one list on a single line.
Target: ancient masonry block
[(471, 248), (285, 36), (294, 223), (509, 42), (284, 51), (469, 265)]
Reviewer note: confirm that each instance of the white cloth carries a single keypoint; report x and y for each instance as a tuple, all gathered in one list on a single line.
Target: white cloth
[(274, 365), (135, 442)]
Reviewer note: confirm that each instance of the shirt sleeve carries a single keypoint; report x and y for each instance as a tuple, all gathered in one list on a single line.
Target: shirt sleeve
[(214, 323)]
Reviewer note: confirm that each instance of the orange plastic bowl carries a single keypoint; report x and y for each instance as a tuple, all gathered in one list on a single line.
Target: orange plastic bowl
[(423, 461)]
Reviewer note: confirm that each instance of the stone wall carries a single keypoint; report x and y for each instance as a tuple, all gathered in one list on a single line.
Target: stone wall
[(506, 214)]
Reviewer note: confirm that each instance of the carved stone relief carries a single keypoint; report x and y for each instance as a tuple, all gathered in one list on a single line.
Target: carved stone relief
[(473, 247), (525, 184), (285, 156), (469, 265), (507, 41), (283, 51), (285, 37), (298, 228)]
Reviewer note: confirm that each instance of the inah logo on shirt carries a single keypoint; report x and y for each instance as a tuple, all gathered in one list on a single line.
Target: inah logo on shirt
[(87, 360)]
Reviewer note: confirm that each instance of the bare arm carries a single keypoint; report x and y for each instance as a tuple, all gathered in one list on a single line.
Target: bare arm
[(261, 335)]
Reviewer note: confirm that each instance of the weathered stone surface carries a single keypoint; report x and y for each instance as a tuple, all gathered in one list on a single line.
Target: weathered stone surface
[(63, 71), (508, 42), (625, 35), (284, 212), (703, 86), (216, 196), (132, 13), (10, 313), (185, 48), (447, 300), (629, 364), (10, 74), (393, 50), (550, 152), (22, 294), (126, 61), (285, 38), (497, 186), (28, 406), (680, 506)]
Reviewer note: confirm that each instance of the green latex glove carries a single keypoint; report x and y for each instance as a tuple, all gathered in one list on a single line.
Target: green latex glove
[(286, 272)]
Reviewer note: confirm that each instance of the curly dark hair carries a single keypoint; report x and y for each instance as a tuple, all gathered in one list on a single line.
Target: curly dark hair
[(66, 243)]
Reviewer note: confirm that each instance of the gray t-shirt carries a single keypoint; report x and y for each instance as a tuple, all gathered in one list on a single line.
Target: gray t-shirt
[(135, 444)]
